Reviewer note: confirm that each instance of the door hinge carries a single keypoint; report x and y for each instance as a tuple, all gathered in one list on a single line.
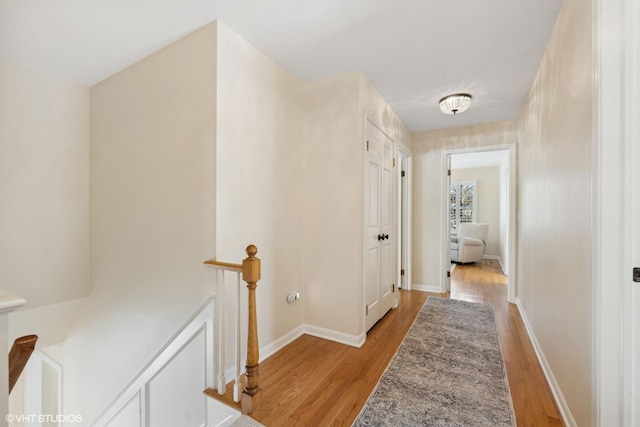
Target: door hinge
[(366, 310), (402, 271), (448, 274), (636, 274), (394, 287), (367, 145), (402, 174), (394, 162), (449, 172)]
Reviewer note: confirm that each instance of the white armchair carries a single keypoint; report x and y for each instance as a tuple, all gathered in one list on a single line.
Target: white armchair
[(470, 243)]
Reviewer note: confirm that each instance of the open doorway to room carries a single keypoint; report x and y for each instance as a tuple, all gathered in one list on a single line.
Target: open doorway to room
[(479, 197)]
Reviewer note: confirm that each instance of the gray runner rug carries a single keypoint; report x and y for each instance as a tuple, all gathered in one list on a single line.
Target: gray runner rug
[(448, 371)]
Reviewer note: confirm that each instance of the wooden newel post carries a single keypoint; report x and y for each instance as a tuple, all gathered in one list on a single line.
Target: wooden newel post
[(251, 275)]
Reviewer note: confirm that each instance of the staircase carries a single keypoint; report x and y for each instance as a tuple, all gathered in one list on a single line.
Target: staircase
[(168, 390)]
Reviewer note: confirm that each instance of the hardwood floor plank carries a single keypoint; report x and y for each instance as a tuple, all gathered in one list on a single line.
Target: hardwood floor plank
[(315, 382)]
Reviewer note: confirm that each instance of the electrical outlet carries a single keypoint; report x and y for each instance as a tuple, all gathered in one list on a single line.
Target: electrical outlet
[(293, 296)]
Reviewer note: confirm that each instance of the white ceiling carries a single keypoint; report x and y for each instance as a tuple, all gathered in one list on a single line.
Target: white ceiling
[(413, 51)]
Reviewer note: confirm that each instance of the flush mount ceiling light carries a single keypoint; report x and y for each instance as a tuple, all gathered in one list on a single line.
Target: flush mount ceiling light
[(456, 103)]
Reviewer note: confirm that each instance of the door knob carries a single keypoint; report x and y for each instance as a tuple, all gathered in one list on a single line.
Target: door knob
[(385, 236), (380, 237)]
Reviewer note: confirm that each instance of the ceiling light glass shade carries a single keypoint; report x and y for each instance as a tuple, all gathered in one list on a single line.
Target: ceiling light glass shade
[(454, 104)]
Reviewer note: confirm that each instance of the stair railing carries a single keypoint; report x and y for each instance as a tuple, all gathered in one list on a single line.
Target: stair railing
[(19, 355), (249, 271)]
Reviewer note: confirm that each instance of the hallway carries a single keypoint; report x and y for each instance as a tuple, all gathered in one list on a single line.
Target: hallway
[(317, 382), (485, 283)]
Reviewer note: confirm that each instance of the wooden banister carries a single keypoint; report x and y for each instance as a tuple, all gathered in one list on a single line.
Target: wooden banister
[(225, 265), (251, 275), (250, 272), (19, 356)]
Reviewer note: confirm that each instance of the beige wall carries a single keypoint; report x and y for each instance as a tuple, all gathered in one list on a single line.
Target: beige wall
[(334, 198), (44, 187), (488, 201), (333, 206), (428, 182), (555, 245), (260, 143), (152, 204)]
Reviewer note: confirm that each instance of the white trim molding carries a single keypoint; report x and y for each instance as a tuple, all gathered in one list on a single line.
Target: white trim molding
[(336, 336), (426, 288), (511, 213), (316, 331), (280, 343), (10, 302), (616, 94), (632, 319), (405, 239)]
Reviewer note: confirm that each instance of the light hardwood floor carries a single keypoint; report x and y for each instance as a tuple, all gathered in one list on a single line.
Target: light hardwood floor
[(532, 399), (315, 382)]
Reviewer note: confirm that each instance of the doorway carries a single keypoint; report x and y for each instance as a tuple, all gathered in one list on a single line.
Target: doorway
[(501, 241)]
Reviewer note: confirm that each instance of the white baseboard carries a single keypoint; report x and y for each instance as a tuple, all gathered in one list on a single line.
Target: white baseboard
[(316, 331), (281, 342), (269, 349), (565, 412), (331, 335), (502, 266), (426, 288)]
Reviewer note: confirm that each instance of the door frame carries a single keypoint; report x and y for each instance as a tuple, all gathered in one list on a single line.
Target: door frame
[(447, 239), (404, 216), (615, 384), (510, 148), (633, 75)]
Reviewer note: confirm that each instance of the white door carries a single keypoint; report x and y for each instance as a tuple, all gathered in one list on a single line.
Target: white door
[(379, 284), (634, 73), (634, 309)]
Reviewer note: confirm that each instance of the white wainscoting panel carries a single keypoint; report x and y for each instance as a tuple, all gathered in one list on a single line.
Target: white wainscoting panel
[(174, 395), (129, 415), (168, 391)]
